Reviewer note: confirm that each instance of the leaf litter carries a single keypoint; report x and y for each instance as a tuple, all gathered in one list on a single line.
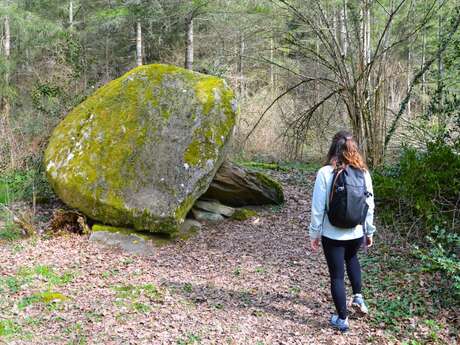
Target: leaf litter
[(235, 282)]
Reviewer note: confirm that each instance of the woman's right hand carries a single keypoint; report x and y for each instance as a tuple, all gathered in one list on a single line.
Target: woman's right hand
[(314, 245), (369, 241)]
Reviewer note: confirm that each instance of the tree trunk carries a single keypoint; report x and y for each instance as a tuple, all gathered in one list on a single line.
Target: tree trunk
[(343, 28), (423, 76), (240, 67), (107, 59), (368, 32), (189, 42), (5, 107), (71, 14), (409, 57), (138, 44), (272, 74)]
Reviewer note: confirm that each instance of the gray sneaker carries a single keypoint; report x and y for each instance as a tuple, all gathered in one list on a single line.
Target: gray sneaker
[(358, 304), (340, 324)]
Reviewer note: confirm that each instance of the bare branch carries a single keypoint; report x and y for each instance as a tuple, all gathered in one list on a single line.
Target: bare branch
[(416, 78), (273, 103)]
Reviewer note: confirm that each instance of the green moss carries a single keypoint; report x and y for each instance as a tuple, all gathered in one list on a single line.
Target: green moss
[(209, 137), (50, 296), (272, 183), (114, 229), (42, 297), (186, 235), (243, 214), (192, 155), (158, 239), (204, 90), (184, 208)]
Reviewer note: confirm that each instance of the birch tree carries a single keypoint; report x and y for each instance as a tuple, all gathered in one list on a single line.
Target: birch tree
[(5, 106)]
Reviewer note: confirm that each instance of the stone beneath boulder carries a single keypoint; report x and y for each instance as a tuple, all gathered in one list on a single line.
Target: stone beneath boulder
[(237, 186), (243, 214), (123, 238), (215, 207), (143, 148), (207, 216), (189, 226)]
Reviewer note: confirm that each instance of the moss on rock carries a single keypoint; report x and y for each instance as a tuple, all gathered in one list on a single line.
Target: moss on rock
[(142, 148), (243, 214), (275, 186)]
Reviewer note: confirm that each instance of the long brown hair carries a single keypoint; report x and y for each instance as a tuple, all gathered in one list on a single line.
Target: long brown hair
[(344, 151)]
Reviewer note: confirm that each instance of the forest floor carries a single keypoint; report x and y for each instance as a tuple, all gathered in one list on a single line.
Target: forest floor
[(253, 282)]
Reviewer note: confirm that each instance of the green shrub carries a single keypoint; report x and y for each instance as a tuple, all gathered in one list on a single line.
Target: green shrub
[(420, 198), (442, 257), (424, 186), (23, 185)]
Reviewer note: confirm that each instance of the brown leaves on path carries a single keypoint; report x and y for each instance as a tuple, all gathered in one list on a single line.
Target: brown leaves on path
[(251, 282)]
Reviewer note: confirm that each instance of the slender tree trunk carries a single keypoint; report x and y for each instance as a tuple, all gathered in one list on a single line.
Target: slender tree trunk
[(317, 74), (423, 76), (409, 58), (272, 75), (440, 56), (240, 67), (5, 107), (343, 28), (85, 51), (189, 42), (368, 32), (7, 40), (138, 44), (71, 14), (107, 58)]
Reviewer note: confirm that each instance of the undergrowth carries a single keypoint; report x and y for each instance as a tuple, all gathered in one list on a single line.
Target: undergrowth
[(29, 185), (414, 282), (403, 296)]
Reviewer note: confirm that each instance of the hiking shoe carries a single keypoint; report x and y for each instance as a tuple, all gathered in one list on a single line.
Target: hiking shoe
[(340, 324), (358, 304)]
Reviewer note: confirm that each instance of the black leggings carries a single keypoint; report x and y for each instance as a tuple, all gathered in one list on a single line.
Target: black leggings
[(337, 253)]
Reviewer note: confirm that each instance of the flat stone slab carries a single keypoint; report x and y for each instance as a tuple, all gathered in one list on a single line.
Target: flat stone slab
[(189, 225), (207, 216), (130, 243), (215, 207)]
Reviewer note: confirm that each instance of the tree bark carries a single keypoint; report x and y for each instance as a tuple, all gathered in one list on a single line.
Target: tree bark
[(343, 28), (408, 79), (138, 44), (7, 40), (71, 14), (423, 76), (189, 42), (240, 67), (5, 107), (272, 72), (107, 73)]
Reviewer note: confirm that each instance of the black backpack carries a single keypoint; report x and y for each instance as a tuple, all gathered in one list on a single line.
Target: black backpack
[(347, 200)]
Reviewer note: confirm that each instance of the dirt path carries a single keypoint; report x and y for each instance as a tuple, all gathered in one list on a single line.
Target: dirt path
[(252, 282)]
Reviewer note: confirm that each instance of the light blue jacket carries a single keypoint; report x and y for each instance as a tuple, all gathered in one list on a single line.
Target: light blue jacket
[(319, 222)]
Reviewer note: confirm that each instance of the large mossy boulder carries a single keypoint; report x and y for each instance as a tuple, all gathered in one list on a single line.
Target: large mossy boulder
[(238, 186), (142, 148)]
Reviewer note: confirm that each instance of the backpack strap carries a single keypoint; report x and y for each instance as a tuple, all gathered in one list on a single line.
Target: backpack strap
[(334, 182)]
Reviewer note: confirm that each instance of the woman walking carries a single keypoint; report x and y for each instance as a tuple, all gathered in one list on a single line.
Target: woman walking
[(343, 196)]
